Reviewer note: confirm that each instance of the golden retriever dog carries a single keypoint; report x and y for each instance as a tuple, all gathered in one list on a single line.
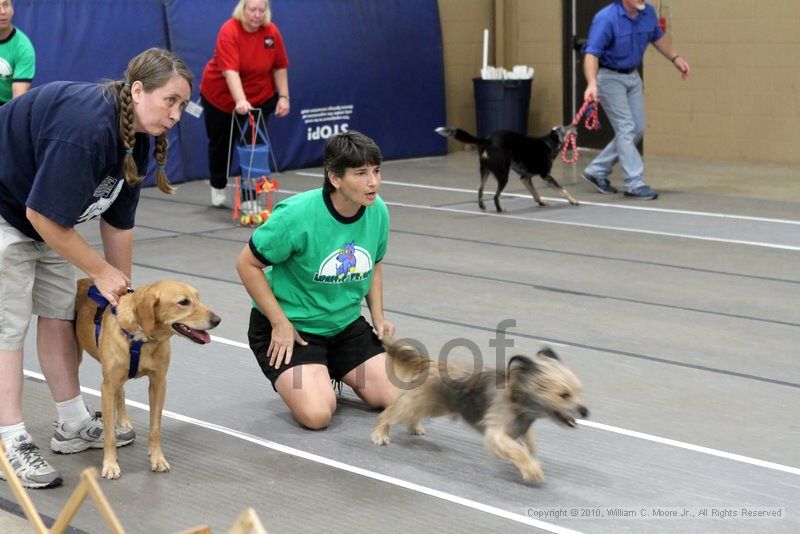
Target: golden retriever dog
[(502, 404), (153, 314)]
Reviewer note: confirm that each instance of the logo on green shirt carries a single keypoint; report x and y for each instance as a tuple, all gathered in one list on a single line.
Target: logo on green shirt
[(5, 69), (347, 264)]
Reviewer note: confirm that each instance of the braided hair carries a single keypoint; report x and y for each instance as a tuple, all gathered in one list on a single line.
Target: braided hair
[(153, 68)]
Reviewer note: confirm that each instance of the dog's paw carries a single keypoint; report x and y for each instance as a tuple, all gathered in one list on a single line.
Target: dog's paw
[(380, 437), (111, 470), (159, 464), (574, 202), (532, 472), (124, 424), (416, 429), (543, 204)]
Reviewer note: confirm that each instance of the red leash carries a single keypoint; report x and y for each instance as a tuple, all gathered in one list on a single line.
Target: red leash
[(592, 122)]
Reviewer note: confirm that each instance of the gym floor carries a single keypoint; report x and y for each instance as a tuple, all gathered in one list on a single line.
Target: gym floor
[(679, 315)]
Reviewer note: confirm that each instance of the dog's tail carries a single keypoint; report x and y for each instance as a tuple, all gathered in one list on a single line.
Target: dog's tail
[(460, 135), (407, 359)]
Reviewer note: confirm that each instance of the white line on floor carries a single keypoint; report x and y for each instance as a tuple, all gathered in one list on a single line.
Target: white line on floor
[(230, 342), (589, 203), (600, 226), (762, 244), (692, 447), (549, 527)]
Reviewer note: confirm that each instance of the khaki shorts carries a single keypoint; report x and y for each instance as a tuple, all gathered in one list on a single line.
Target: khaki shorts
[(34, 279)]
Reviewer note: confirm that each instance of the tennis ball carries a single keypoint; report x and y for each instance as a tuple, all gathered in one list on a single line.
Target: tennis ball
[(245, 220), (256, 219)]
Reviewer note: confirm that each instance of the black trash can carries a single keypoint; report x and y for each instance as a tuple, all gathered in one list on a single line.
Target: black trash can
[(502, 105)]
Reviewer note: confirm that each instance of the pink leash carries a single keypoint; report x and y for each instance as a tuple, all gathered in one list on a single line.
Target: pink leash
[(592, 122)]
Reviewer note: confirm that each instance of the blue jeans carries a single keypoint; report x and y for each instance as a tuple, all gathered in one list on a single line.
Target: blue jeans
[(622, 100)]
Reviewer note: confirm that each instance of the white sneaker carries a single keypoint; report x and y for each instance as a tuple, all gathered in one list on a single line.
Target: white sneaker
[(218, 197), (249, 207), (89, 436), (27, 462)]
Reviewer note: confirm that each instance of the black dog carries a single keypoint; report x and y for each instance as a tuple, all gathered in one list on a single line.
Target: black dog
[(527, 156)]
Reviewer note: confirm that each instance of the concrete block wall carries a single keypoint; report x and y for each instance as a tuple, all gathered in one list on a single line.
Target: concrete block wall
[(742, 99), (531, 36), (741, 102), (463, 22), (534, 33)]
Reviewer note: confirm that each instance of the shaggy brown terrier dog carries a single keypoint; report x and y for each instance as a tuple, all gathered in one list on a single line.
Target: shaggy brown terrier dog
[(152, 314), (501, 404)]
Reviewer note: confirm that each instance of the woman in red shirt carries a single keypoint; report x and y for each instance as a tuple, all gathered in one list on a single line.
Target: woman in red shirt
[(248, 71)]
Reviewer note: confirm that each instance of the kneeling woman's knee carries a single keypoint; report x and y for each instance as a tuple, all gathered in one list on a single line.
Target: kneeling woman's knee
[(314, 418), (382, 398)]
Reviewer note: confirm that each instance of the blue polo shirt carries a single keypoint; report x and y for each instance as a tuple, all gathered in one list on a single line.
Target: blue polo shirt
[(620, 41)]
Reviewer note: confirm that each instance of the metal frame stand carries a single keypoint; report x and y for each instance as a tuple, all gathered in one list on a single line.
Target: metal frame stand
[(250, 196)]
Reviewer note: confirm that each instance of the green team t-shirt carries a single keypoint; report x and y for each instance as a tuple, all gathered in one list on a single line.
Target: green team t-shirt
[(17, 62), (321, 263)]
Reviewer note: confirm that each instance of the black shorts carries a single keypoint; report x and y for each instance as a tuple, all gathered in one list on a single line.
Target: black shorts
[(341, 353)]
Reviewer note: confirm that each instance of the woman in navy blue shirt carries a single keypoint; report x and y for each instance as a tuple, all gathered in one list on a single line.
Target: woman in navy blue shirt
[(72, 151)]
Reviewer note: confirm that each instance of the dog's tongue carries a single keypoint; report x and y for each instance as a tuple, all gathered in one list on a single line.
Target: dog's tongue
[(198, 336), (202, 336)]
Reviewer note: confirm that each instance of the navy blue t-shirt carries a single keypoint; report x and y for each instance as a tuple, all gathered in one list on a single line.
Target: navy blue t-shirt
[(62, 157)]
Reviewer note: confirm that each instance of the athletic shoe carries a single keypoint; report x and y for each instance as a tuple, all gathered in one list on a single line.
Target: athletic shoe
[(218, 197), (601, 184), (249, 207), (27, 462), (643, 192), (89, 436)]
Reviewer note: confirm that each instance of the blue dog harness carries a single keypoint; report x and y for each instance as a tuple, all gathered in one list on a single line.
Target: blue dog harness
[(136, 344)]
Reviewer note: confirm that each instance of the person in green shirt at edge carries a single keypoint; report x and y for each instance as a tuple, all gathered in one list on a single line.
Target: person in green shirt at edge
[(17, 57), (322, 250)]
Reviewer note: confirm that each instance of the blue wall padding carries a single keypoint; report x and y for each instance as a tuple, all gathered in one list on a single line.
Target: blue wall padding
[(193, 27), (372, 66)]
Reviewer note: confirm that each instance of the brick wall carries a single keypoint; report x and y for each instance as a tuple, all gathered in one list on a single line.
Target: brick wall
[(463, 22), (741, 102), (534, 32), (531, 36), (742, 99)]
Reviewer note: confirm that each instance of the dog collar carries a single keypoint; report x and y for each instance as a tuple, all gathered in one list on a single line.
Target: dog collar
[(139, 334), (136, 344)]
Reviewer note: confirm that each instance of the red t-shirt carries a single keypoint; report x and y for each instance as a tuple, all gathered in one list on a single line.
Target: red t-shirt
[(253, 55)]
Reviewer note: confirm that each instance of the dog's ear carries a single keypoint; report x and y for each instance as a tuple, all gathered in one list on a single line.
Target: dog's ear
[(547, 352), (403, 350), (126, 318), (521, 364), (145, 301)]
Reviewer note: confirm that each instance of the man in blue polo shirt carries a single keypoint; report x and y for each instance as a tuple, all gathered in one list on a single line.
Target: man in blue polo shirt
[(618, 38)]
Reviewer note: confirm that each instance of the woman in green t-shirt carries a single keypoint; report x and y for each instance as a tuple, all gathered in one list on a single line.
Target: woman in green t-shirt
[(322, 250)]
